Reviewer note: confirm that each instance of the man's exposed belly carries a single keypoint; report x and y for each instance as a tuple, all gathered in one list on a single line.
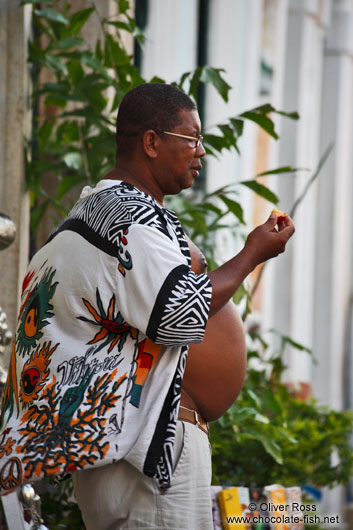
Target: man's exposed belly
[(215, 369)]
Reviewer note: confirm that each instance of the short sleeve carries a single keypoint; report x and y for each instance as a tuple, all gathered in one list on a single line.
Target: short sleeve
[(159, 294)]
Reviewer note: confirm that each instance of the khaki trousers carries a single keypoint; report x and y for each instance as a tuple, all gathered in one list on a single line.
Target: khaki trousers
[(118, 496)]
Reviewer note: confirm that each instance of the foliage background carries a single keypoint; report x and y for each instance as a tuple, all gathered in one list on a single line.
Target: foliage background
[(267, 436)]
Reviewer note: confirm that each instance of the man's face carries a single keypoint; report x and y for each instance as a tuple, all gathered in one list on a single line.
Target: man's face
[(178, 163)]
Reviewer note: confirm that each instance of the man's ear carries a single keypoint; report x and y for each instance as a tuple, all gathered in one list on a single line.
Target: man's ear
[(150, 142)]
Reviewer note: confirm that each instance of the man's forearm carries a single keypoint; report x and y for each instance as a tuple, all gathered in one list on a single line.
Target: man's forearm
[(262, 244)]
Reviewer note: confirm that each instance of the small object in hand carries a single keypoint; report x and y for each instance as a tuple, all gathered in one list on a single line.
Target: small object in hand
[(280, 215)]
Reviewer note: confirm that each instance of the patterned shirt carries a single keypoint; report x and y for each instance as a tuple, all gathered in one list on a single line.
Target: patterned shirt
[(109, 306)]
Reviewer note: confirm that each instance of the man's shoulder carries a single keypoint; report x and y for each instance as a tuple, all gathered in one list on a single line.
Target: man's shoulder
[(110, 210), (122, 203)]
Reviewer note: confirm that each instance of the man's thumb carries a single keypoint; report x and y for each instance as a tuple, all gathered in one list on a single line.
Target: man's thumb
[(272, 220)]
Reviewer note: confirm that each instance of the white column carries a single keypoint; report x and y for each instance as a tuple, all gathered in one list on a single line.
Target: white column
[(234, 44), (333, 246), (13, 201), (269, 279), (171, 39), (299, 147)]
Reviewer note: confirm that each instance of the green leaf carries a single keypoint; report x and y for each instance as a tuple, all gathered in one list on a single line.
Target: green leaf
[(124, 6), (213, 76), (156, 79), (283, 169), (56, 100), (68, 182), (51, 14), (44, 27), (127, 26), (194, 83), (243, 413), (210, 152), (211, 207), (70, 42), (182, 80), (35, 54), (291, 115), (240, 294), (228, 134), (261, 190), (91, 61), (79, 19), (266, 108), (273, 449), (263, 121), (134, 75), (233, 207), (218, 142), (44, 132), (118, 54), (60, 89), (223, 189), (73, 160), (139, 35), (198, 221), (238, 125), (294, 344), (90, 116), (287, 436), (99, 52), (46, 2), (55, 63), (37, 214), (68, 132), (271, 402), (115, 102), (261, 418), (94, 95), (254, 398), (75, 71)]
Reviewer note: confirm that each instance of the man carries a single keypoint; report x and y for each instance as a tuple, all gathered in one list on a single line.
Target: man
[(109, 307)]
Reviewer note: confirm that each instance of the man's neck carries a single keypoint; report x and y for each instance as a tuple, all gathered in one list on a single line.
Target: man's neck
[(132, 177)]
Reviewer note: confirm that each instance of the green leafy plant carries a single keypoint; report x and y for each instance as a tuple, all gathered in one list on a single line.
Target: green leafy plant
[(270, 436), (73, 142), (60, 510)]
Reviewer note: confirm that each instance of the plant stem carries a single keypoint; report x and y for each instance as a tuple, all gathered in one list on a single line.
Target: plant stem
[(294, 208)]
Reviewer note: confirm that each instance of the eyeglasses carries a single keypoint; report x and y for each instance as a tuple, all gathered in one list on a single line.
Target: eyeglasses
[(195, 141)]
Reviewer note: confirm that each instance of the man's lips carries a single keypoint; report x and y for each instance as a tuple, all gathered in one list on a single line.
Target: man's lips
[(196, 169)]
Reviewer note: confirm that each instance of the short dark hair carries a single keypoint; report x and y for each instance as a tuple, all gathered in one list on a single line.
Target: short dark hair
[(148, 106)]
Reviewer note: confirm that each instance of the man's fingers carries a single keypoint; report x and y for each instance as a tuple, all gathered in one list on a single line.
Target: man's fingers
[(287, 226), (271, 222)]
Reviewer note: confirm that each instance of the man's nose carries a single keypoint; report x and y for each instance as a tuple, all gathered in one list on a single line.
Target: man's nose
[(200, 151)]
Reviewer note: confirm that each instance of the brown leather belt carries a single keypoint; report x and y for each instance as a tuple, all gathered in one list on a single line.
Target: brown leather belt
[(193, 417)]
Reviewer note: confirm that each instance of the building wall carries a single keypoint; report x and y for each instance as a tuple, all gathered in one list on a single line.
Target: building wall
[(14, 30)]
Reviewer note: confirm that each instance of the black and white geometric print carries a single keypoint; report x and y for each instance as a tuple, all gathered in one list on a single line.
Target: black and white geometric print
[(178, 229), (181, 309), (104, 217), (108, 212), (159, 459)]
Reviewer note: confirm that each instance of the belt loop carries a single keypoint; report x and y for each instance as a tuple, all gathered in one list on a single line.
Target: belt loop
[(196, 418), (192, 416)]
